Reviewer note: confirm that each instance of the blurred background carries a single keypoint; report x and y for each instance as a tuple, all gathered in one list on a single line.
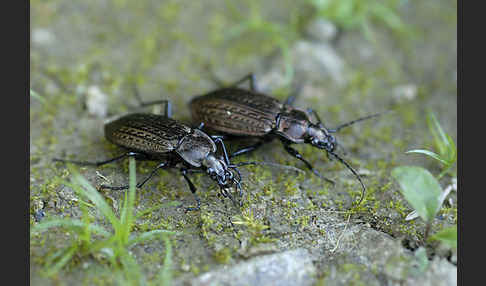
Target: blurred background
[(351, 57)]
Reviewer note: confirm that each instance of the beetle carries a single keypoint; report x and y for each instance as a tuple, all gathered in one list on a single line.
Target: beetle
[(236, 112), (160, 138)]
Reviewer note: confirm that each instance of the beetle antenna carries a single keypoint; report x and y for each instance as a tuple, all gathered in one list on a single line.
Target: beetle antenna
[(354, 172), (354, 121), (239, 164), (312, 111), (226, 194), (238, 184), (226, 158)]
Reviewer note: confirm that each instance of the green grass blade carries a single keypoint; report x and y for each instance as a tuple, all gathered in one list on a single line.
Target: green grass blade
[(127, 216), (131, 270), (442, 134), (421, 190), (100, 244), (440, 139), (448, 236), (452, 151), (68, 254), (388, 16), (122, 231), (165, 275), (84, 188), (445, 171), (428, 153), (35, 95), (71, 224)]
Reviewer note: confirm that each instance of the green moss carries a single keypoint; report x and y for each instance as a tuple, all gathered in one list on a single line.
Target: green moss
[(303, 221), (195, 269), (290, 187), (207, 222), (222, 256)]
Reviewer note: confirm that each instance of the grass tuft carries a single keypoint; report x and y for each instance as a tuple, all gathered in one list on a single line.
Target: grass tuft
[(113, 241)]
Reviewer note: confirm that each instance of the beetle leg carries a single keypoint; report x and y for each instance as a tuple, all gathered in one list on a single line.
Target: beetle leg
[(201, 126), (249, 77), (297, 155), (193, 171), (313, 112), (247, 149), (193, 190), (138, 156), (167, 109), (168, 105), (290, 100), (214, 77), (139, 185)]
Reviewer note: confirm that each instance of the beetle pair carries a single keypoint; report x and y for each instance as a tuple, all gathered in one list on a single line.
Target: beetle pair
[(233, 111)]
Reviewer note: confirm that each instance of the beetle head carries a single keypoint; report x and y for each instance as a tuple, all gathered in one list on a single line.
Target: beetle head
[(319, 136), (218, 170)]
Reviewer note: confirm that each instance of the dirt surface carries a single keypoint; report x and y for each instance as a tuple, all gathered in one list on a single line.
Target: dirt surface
[(293, 227)]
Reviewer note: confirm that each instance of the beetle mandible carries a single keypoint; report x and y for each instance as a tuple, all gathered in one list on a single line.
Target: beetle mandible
[(238, 112), (161, 138)]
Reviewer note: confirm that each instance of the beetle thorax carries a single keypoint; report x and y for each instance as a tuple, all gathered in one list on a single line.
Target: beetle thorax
[(292, 125)]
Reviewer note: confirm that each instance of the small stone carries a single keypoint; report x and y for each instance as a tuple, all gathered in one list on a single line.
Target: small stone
[(405, 93), (96, 102), (293, 267), (364, 172), (321, 30), (149, 249), (42, 36), (318, 60), (309, 91), (185, 267), (271, 80), (439, 272)]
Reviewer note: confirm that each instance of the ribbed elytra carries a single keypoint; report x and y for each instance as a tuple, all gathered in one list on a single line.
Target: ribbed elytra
[(154, 135), (235, 112)]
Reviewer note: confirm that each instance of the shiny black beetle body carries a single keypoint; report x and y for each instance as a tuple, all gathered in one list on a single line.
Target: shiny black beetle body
[(238, 112), (160, 138)]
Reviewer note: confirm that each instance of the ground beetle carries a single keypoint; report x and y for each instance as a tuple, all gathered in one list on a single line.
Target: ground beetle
[(161, 138), (237, 112)]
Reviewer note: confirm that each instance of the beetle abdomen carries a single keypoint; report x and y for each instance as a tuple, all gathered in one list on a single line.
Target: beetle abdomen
[(236, 111), (147, 133)]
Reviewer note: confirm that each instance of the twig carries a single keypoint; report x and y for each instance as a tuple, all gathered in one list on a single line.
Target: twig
[(342, 234)]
